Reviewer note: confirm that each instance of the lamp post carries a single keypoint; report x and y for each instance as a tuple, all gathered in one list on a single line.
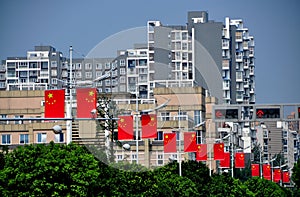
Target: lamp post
[(69, 106)]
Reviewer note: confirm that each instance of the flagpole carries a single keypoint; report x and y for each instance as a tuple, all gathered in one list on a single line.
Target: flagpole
[(179, 147), (232, 154), (69, 110)]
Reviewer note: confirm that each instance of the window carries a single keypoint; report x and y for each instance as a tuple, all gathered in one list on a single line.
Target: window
[(119, 157), (24, 139), (54, 73), (41, 137), (165, 116), (122, 71), (177, 135), (88, 75), (78, 66), (4, 116), (59, 137), (159, 136), (197, 117), (107, 65), (78, 74), (122, 79), (6, 139), (133, 158), (160, 159), (99, 66), (88, 66), (122, 62), (18, 121), (53, 64)]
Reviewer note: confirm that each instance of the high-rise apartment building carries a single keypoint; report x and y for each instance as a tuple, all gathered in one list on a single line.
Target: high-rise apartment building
[(217, 56)]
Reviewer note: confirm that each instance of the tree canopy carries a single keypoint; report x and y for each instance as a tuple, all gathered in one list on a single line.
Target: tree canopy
[(71, 170)]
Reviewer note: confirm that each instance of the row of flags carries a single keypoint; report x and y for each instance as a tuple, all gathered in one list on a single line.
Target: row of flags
[(149, 130), (278, 174), (86, 102), (55, 102)]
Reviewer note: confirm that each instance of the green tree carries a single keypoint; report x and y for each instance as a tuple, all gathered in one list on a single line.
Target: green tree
[(296, 174), (49, 170), (225, 185), (262, 187)]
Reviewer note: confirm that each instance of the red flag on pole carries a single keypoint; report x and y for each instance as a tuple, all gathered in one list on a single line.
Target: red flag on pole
[(286, 177), (267, 171), (149, 126), (125, 128), (276, 175), (54, 103), (170, 142), (225, 163), (86, 102), (190, 144), (219, 151), (201, 154), (255, 170), (239, 160)]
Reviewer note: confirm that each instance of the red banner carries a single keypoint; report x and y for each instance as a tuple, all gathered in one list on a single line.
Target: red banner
[(276, 175), (201, 154), (170, 142), (54, 103), (267, 171), (254, 170), (286, 177), (239, 160), (225, 163), (190, 144), (86, 102), (125, 128), (219, 151), (149, 126)]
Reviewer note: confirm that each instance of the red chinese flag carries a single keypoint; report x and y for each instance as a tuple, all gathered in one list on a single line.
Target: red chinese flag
[(149, 126), (276, 175), (125, 128), (86, 102), (219, 151), (190, 144), (255, 170), (286, 177), (170, 142), (267, 171), (54, 103), (225, 163), (239, 160), (201, 154)]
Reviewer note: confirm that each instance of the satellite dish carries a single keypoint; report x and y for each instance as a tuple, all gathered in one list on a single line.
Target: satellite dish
[(57, 129), (126, 147)]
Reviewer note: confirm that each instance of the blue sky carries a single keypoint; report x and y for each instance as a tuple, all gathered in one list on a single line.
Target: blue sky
[(83, 24)]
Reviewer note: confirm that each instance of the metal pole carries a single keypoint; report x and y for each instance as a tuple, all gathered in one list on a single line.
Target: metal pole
[(232, 154), (260, 163), (179, 147), (210, 142), (69, 110), (137, 124)]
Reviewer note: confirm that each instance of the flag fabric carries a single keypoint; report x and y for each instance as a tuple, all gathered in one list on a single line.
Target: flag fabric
[(201, 154), (219, 151), (239, 160), (267, 171), (190, 144), (254, 170), (286, 177), (149, 126), (54, 103), (225, 163), (170, 142), (86, 102), (276, 175), (125, 128)]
